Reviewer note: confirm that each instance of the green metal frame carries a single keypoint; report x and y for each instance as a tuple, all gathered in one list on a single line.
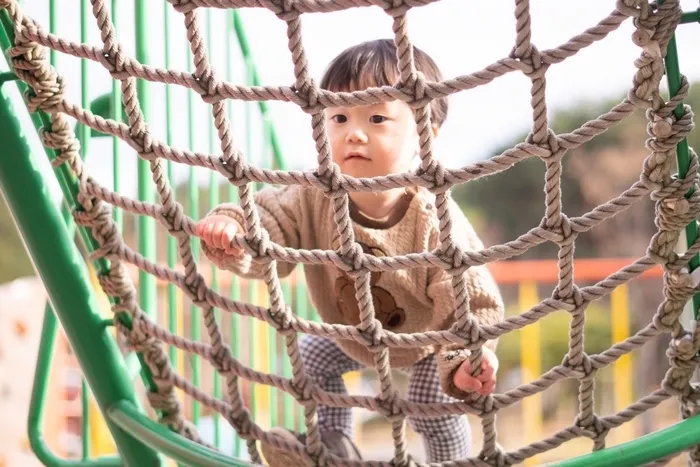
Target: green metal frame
[(140, 440), (23, 184)]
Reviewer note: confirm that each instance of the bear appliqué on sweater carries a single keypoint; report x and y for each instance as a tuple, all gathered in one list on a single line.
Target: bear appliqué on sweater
[(385, 308)]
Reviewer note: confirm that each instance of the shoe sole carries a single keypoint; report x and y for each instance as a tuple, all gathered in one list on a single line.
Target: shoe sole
[(277, 457)]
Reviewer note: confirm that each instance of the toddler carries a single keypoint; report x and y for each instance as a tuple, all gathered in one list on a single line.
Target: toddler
[(369, 141)]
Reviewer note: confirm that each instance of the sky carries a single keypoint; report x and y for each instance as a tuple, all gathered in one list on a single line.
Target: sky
[(462, 36)]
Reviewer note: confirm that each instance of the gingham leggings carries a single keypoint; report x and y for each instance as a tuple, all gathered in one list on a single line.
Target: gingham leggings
[(445, 438)]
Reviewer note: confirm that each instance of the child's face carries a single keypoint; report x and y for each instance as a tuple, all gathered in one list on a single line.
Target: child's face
[(373, 140)]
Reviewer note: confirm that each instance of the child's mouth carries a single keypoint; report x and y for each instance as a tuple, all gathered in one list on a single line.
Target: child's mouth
[(355, 156)]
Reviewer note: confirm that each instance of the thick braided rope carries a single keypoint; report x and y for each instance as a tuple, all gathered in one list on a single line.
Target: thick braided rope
[(654, 28)]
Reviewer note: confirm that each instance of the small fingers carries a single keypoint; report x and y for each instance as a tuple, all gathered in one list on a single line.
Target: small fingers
[(486, 373), (464, 381), (228, 235), (207, 233), (219, 236), (487, 388)]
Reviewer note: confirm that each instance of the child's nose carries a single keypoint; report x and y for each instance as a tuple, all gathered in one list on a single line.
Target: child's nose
[(357, 135)]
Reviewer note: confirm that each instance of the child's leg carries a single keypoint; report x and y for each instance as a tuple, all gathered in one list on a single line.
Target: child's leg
[(447, 437), (326, 364)]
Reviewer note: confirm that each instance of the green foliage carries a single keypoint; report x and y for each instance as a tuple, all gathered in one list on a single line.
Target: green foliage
[(506, 205)]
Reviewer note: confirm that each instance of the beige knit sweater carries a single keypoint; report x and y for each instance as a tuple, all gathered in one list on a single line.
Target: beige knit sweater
[(405, 301)]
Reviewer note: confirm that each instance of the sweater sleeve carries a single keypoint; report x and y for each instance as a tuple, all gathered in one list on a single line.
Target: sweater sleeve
[(485, 302), (280, 212)]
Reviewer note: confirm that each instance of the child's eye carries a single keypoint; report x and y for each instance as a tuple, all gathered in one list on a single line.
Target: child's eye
[(339, 118), (377, 119)]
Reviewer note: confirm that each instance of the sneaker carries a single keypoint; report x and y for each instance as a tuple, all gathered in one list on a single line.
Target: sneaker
[(336, 442)]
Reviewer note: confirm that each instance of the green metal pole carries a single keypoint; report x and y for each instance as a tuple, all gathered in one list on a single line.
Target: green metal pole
[(673, 76), (642, 450), (38, 402), (691, 17), (57, 260), (84, 138), (178, 448), (147, 225)]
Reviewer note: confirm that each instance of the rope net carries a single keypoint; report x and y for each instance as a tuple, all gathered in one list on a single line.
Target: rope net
[(654, 27)]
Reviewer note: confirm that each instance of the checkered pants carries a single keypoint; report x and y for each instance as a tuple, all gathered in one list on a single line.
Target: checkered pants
[(445, 438)]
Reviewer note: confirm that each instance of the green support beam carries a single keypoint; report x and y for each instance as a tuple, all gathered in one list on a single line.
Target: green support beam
[(23, 176)]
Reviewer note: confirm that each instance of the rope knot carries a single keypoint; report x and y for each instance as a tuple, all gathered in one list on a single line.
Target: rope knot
[(633, 8), (221, 358), (370, 335), (174, 219), (143, 139), (574, 296), (45, 94), (115, 62), (307, 97), (533, 59), (257, 245), (165, 401), (436, 176), (396, 8), (584, 366), (283, 9), (303, 390), (140, 342), (242, 423), (682, 353), (677, 380), (280, 319), (469, 332), (390, 407), (330, 182), (60, 136), (656, 173), (550, 143), (415, 87), (594, 428), (182, 6), (678, 288), (233, 168), (196, 289), (673, 214), (562, 227), (497, 457), (353, 260)]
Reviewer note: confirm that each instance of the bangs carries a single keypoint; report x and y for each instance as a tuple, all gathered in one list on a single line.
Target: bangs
[(361, 68)]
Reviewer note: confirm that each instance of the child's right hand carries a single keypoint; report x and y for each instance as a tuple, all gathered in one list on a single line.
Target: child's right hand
[(218, 231)]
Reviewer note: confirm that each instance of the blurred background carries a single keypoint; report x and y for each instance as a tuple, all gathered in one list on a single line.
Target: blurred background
[(250, 47)]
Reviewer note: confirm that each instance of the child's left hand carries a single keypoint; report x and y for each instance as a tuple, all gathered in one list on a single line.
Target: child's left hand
[(485, 383)]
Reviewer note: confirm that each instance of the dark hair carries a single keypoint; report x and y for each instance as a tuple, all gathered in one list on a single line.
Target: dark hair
[(374, 64)]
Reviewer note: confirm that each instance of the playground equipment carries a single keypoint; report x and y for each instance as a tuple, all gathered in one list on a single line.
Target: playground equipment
[(138, 438)]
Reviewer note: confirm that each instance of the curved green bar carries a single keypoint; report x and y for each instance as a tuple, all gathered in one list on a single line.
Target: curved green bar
[(36, 408), (648, 448), (160, 438)]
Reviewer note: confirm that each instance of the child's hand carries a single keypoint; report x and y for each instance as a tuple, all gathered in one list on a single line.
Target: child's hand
[(218, 231), (485, 383)]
